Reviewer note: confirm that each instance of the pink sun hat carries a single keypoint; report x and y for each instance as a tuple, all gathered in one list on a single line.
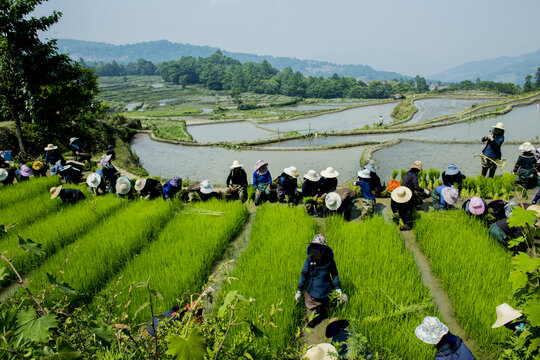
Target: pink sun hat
[(476, 206)]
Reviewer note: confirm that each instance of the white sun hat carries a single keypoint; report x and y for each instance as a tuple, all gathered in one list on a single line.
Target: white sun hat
[(206, 187), (526, 147), (332, 201), (123, 186), (93, 180), (3, 174), (139, 184), (235, 164), (505, 314), (291, 171), (401, 194), (322, 351), (55, 191), (364, 174), (312, 176), (431, 330), (370, 167), (330, 173), (51, 147), (499, 125)]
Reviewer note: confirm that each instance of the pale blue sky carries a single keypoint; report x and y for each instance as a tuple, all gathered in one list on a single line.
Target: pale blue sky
[(407, 36)]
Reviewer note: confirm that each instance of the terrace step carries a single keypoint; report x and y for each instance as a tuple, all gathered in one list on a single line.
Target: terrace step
[(440, 297)]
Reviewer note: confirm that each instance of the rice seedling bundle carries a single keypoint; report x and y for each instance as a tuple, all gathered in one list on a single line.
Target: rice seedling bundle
[(269, 269), (179, 261), (386, 294), (19, 192), (473, 269), (103, 251), (55, 231)]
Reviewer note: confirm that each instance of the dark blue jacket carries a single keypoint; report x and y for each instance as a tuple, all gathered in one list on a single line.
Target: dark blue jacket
[(310, 188), (52, 157), (493, 147), (327, 184), (169, 190), (71, 196), (452, 347), (261, 179), (319, 278), (410, 180), (365, 189)]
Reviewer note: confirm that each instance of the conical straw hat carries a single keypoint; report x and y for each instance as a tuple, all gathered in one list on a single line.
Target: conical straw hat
[(505, 314)]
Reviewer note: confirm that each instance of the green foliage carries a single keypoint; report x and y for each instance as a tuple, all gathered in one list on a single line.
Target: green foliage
[(395, 173), (472, 268), (191, 348), (386, 303), (34, 327), (404, 110)]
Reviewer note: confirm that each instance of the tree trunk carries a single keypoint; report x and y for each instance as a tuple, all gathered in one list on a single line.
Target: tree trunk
[(18, 131)]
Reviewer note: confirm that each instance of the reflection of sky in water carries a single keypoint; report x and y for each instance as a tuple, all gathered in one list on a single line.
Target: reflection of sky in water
[(433, 108), (237, 131), (198, 163)]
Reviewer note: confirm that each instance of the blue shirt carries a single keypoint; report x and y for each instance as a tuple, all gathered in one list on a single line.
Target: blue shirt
[(439, 190), (365, 189), (261, 179), (169, 190), (493, 147)]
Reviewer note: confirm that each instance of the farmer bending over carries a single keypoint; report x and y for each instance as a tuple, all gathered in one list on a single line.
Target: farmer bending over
[(68, 196)]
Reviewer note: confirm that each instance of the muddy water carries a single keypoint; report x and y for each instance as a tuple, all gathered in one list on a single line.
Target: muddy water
[(438, 156), (238, 131), (433, 108), (345, 120), (197, 163)]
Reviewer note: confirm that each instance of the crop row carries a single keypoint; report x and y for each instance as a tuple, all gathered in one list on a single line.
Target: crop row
[(57, 230), (269, 269), (387, 298), (473, 269), (179, 261), (97, 256), (20, 192)]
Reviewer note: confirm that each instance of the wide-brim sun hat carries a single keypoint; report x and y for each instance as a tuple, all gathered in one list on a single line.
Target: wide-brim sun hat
[(370, 167), (26, 171), (259, 164), (476, 206), (505, 314), (417, 165), (332, 201), (401, 194), (206, 187), (431, 330), (312, 176), (318, 239), (3, 174), (51, 147), (55, 191), (526, 147), (452, 169), (72, 140), (123, 186), (322, 351), (37, 165), (93, 180), (291, 171), (330, 173), (105, 160), (139, 184), (236, 164), (334, 327), (499, 125), (450, 195), (364, 174)]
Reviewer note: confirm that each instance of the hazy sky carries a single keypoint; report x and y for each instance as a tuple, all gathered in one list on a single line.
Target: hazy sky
[(407, 36)]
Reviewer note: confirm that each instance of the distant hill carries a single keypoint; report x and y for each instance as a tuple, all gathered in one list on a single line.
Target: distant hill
[(163, 50), (502, 69)]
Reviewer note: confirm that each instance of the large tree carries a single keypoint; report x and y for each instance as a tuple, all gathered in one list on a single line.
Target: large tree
[(43, 92)]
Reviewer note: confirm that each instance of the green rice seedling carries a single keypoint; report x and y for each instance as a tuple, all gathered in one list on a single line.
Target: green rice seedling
[(19, 192), (179, 261), (94, 258), (473, 269), (395, 173), (269, 269), (386, 295), (55, 231), (403, 172)]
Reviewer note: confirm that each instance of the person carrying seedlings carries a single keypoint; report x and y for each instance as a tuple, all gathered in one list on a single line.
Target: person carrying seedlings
[(525, 167), (123, 188), (449, 346), (340, 202), (7, 176), (23, 174), (172, 187), (236, 182), (110, 174), (96, 184), (68, 196), (149, 189), (453, 177), (318, 278), (202, 191), (311, 189), (377, 187), (368, 200), (492, 151), (410, 180), (444, 197), (476, 207), (39, 169), (287, 184), (53, 155), (402, 205), (261, 180), (79, 153)]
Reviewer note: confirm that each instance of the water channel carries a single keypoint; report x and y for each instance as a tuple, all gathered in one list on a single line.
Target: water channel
[(432, 108)]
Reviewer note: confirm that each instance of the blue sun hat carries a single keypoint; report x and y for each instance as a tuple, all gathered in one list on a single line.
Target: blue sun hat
[(452, 169), (370, 167)]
